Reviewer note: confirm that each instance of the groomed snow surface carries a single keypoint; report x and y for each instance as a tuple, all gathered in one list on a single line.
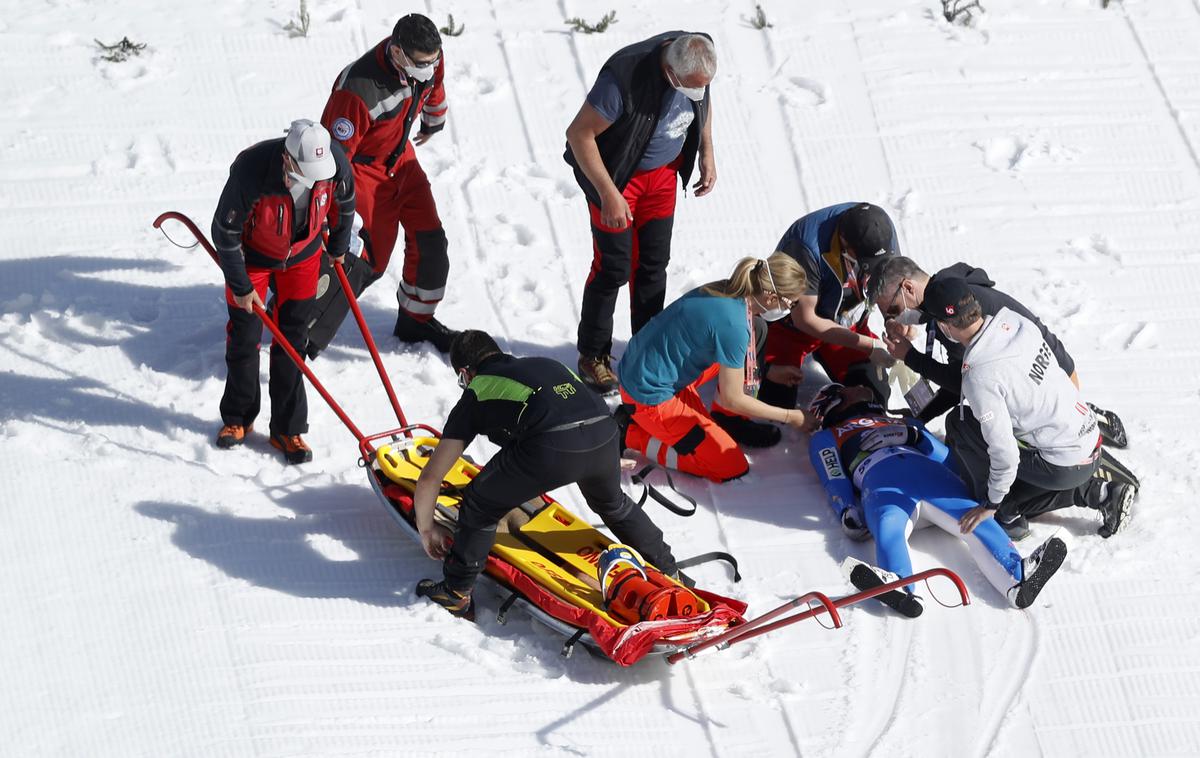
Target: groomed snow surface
[(161, 597)]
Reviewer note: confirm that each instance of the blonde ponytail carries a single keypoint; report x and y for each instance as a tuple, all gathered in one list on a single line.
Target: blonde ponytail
[(754, 277)]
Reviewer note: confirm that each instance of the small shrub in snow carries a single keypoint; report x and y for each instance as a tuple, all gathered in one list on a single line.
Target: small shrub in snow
[(960, 10), (579, 25), (450, 30), (759, 20), (298, 27), (121, 51)]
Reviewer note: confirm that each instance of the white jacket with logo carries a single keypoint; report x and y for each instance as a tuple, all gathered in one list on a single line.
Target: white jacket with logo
[(1017, 391)]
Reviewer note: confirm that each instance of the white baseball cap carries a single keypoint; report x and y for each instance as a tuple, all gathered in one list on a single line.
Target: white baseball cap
[(308, 144)]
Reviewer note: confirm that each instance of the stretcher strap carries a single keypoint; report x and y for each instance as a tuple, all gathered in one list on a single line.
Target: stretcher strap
[(509, 602), (651, 492), (569, 646), (715, 555)]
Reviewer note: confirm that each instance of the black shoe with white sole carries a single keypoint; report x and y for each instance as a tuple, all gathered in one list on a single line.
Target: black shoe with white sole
[(864, 576), (1037, 570)]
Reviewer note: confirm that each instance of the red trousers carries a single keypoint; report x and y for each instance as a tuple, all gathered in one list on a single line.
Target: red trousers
[(636, 255), (788, 346), (680, 434), (404, 199)]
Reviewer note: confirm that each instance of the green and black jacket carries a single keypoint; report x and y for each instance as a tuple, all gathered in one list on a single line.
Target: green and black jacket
[(513, 399)]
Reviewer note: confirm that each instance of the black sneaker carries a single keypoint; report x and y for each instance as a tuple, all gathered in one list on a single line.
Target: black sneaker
[(1112, 430), (1115, 508), (864, 576), (596, 372), (1037, 570), (408, 329), (747, 432), (1017, 529), (459, 606)]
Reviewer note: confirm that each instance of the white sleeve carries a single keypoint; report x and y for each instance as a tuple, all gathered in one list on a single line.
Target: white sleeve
[(990, 409)]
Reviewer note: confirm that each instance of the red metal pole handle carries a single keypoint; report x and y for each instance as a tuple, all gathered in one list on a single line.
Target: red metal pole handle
[(352, 299), (281, 340), (747, 629), (759, 626)]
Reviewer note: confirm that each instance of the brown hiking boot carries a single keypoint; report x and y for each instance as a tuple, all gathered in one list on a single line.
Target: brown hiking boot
[(596, 372), (293, 447), (232, 435)]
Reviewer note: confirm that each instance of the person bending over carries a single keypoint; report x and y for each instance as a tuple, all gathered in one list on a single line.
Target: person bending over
[(552, 431)]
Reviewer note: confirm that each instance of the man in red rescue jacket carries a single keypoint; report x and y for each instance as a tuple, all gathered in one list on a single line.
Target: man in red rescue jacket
[(371, 111), (286, 199)]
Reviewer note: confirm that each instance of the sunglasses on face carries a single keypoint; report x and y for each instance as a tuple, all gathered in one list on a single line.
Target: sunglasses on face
[(415, 63), (463, 380)]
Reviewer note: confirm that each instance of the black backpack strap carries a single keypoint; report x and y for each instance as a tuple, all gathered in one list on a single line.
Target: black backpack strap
[(651, 492), (715, 555)]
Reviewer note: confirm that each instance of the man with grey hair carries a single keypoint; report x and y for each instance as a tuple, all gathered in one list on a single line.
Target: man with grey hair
[(899, 287), (644, 126)]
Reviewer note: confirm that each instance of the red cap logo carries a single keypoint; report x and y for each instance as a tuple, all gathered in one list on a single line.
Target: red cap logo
[(949, 310)]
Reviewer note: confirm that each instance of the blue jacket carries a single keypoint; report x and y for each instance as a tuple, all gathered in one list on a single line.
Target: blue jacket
[(835, 452)]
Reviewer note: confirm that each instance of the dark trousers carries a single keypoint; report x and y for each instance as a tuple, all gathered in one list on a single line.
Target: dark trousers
[(292, 308), (1040, 486), (587, 456), (637, 255)]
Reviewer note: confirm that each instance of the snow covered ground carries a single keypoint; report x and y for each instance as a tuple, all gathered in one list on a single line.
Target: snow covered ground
[(160, 597)]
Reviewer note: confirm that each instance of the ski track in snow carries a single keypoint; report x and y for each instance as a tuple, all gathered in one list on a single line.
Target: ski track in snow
[(166, 598)]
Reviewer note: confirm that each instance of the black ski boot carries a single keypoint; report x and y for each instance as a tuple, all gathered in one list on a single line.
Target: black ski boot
[(747, 432), (1017, 527), (1115, 508), (1037, 570), (864, 576), (459, 606), (408, 329)]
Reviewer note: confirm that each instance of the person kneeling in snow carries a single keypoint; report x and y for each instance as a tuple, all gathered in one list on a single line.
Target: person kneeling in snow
[(885, 475), (552, 431), (704, 334)]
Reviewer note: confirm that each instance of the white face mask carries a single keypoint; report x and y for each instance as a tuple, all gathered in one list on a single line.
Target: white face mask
[(423, 74), (300, 179), (420, 73), (773, 314), (695, 94), (908, 316)]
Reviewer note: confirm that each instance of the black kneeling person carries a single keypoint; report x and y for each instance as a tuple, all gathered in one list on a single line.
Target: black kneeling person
[(552, 431)]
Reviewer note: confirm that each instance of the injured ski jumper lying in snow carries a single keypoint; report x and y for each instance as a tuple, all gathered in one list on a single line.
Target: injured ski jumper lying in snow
[(885, 476)]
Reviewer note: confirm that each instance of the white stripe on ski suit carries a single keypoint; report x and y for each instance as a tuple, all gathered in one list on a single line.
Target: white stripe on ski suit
[(927, 513), (415, 307), (420, 293), (653, 446), (389, 103)]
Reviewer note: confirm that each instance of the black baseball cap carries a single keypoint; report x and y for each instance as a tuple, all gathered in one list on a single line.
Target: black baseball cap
[(869, 232), (944, 296)]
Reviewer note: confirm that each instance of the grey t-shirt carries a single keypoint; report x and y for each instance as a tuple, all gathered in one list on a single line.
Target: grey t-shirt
[(674, 118)]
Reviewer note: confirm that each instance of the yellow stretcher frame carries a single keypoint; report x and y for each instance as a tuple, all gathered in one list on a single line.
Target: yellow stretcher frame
[(574, 543)]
